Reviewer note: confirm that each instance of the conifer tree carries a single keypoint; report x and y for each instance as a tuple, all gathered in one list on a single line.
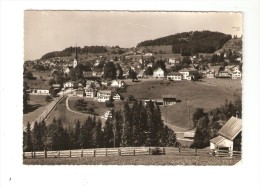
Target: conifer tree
[(127, 133), (28, 145), (108, 133), (98, 135)]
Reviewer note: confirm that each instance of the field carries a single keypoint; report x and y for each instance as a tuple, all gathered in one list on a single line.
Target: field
[(135, 160), (208, 94), (38, 103)]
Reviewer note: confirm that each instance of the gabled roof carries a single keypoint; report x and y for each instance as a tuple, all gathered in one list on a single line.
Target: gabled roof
[(105, 91), (175, 73), (231, 129), (168, 96)]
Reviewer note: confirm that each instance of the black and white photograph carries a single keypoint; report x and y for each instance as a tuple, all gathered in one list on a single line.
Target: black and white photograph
[(129, 93), (132, 88)]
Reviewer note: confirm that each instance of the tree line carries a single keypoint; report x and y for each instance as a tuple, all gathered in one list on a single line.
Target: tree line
[(189, 43), (70, 50), (135, 125)]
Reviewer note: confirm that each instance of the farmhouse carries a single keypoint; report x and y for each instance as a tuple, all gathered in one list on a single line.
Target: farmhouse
[(90, 92), (88, 73), (117, 83), (70, 84), (188, 73), (229, 136), (210, 74), (236, 74), (223, 74), (42, 90), (117, 97), (79, 92), (158, 73), (175, 76), (169, 99), (103, 95)]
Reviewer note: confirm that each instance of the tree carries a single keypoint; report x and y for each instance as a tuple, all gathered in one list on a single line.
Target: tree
[(202, 133), (39, 136), (28, 145), (26, 98), (109, 71), (127, 135), (199, 112), (149, 71), (51, 82), (98, 135), (48, 98)]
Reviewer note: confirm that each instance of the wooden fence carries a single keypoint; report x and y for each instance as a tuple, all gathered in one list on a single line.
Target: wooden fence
[(131, 151)]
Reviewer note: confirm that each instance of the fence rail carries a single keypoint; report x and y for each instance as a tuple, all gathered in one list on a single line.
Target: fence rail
[(131, 151)]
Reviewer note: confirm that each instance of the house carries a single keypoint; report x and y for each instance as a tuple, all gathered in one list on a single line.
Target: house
[(236, 74), (169, 100), (70, 84), (188, 73), (210, 74), (117, 83), (41, 90), (149, 65), (103, 95), (176, 76), (229, 136), (189, 135), (158, 73), (223, 74), (117, 97), (88, 73), (172, 60), (90, 92), (80, 92), (146, 101)]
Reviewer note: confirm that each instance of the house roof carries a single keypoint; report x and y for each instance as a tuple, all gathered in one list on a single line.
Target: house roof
[(217, 140), (175, 73), (231, 129), (168, 96), (105, 91), (41, 87)]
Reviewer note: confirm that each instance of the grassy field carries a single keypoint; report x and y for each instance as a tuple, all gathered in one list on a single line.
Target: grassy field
[(166, 160), (99, 107), (208, 94), (38, 103)]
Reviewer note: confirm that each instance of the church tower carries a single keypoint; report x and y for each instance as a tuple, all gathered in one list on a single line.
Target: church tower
[(75, 62)]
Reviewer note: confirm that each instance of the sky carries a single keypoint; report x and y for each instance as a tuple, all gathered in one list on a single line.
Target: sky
[(46, 31)]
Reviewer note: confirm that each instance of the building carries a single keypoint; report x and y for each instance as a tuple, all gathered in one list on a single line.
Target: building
[(117, 83), (229, 136), (75, 62), (188, 73), (176, 76), (41, 90), (158, 73), (90, 92), (236, 74), (70, 84), (223, 74), (169, 100), (103, 95), (117, 97), (88, 73), (80, 92), (210, 74)]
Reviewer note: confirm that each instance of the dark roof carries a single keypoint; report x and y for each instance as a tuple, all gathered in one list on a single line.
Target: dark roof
[(175, 73), (41, 87), (231, 129)]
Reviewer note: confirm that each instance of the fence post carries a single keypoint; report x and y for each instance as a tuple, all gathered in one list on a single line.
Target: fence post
[(163, 151), (179, 150), (106, 152), (32, 154), (45, 153), (149, 150), (94, 152), (59, 154), (119, 152), (196, 151), (134, 152), (81, 153), (70, 154)]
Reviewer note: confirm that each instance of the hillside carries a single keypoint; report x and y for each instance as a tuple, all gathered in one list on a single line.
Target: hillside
[(234, 44), (188, 43)]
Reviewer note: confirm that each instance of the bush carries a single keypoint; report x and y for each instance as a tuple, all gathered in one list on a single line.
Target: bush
[(157, 151), (48, 98), (109, 104)]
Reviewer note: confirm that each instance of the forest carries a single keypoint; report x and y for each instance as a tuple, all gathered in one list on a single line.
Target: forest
[(189, 43)]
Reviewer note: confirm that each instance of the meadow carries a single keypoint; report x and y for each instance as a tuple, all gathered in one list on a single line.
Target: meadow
[(163, 160)]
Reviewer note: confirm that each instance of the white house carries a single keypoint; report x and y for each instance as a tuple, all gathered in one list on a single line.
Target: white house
[(103, 95), (172, 61), (89, 92), (188, 72), (88, 73), (117, 97), (117, 83), (42, 90), (236, 74), (175, 76), (158, 73), (210, 74), (69, 84)]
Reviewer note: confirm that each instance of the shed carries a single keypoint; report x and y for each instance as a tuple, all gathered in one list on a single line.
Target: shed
[(169, 99)]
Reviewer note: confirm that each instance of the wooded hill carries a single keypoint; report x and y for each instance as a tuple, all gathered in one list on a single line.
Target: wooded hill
[(188, 43)]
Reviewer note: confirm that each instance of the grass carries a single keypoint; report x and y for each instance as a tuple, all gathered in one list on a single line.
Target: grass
[(165, 160), (38, 103), (208, 94)]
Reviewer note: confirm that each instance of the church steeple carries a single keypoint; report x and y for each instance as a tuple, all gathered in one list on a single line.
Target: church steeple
[(75, 62)]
